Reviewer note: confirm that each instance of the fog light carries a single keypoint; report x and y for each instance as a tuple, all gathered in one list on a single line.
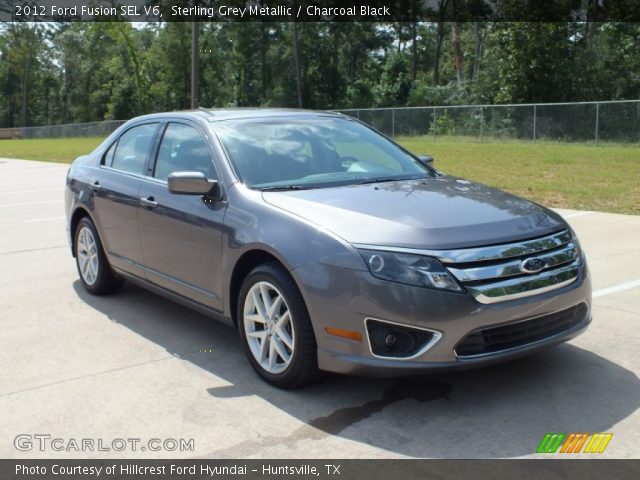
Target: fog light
[(390, 341), (397, 341)]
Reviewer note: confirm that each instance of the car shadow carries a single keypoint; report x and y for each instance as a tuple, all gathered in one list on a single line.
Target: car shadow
[(497, 411)]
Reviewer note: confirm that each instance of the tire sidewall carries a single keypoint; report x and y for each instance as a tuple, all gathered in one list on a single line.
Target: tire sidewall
[(102, 261), (299, 314)]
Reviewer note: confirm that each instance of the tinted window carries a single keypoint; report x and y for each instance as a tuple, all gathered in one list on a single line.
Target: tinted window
[(183, 149), (313, 152), (132, 149), (108, 157)]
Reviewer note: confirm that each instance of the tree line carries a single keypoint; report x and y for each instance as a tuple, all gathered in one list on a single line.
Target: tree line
[(82, 72)]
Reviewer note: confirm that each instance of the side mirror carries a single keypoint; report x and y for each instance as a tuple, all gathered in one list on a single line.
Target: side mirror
[(192, 183), (426, 159)]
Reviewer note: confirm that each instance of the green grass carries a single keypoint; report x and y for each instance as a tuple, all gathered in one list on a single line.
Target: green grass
[(63, 150), (566, 175)]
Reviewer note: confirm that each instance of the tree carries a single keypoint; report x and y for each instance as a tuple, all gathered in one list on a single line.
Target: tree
[(85, 72), (395, 83), (441, 12)]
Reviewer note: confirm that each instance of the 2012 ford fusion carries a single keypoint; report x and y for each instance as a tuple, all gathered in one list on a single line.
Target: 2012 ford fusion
[(326, 244)]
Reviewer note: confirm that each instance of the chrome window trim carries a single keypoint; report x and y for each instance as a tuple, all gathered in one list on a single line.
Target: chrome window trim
[(479, 254), (435, 339), (138, 176)]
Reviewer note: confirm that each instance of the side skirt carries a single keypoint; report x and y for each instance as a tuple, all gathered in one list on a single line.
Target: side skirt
[(209, 312)]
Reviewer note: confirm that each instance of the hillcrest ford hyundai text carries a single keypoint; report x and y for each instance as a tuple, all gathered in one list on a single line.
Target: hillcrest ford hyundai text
[(327, 245)]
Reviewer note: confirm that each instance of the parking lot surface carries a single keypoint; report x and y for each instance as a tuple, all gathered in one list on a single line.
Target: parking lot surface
[(134, 365)]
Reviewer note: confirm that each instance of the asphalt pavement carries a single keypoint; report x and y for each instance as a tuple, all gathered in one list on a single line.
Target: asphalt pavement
[(136, 366)]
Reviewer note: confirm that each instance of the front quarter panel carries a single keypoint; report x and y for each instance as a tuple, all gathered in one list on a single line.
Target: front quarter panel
[(252, 224)]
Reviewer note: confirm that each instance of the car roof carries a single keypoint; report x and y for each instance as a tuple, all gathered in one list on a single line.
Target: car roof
[(221, 114)]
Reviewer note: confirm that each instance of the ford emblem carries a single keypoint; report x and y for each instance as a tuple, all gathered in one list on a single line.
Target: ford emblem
[(532, 265)]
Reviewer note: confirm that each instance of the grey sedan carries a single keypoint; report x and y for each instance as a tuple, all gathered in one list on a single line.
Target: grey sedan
[(326, 244)]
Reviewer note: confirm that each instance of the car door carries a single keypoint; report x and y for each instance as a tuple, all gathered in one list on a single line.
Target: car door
[(181, 235), (116, 188)]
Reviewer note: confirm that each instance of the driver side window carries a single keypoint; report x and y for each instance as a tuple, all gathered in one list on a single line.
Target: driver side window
[(183, 149)]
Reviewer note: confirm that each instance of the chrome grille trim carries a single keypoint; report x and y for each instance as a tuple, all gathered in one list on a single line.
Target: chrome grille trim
[(556, 258), (497, 273), (522, 287)]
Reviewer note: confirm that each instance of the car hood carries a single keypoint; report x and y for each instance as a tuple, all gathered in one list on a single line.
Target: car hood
[(433, 213)]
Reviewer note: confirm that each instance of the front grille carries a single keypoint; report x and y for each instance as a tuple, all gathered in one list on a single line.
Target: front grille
[(502, 272), (519, 334)]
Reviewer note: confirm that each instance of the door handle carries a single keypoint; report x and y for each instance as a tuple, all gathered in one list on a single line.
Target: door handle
[(148, 202), (96, 186)]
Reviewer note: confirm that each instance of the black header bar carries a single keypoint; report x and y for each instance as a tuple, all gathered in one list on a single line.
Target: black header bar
[(318, 469), (321, 10)]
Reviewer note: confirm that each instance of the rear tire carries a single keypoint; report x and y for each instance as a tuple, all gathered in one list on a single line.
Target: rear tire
[(96, 274), (275, 328)]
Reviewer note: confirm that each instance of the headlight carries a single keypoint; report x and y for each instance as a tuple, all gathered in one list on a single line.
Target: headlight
[(409, 269)]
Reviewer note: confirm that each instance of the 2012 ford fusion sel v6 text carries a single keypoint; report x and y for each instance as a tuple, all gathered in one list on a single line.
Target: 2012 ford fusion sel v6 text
[(327, 245)]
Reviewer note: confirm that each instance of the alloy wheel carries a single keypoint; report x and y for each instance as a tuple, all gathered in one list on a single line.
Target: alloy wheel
[(268, 327), (87, 252)]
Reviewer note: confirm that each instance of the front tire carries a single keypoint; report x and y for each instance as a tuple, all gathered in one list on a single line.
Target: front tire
[(96, 274), (275, 328)]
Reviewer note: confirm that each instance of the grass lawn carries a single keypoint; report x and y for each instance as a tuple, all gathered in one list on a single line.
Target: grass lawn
[(565, 175), (581, 176), (63, 150)]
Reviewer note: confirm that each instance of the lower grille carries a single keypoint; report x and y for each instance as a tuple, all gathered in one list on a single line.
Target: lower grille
[(519, 334)]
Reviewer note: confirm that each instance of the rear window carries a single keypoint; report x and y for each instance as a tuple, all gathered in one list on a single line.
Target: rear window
[(130, 153)]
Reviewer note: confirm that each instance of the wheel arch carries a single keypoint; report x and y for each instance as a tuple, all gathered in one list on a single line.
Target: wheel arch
[(78, 214), (243, 266)]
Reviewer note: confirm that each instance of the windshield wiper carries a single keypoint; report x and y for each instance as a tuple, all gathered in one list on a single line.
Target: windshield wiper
[(283, 188), (379, 180), (388, 179)]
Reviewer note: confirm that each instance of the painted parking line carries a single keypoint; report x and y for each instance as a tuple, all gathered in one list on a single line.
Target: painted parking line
[(41, 166), (47, 219), (617, 288), (31, 203), (31, 166), (15, 174), (31, 182), (18, 192), (576, 214), (29, 177)]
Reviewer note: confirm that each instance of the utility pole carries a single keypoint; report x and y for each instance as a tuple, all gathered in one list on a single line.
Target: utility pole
[(195, 63), (296, 59)]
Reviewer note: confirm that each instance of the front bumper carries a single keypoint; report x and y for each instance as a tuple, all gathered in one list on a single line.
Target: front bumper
[(343, 298)]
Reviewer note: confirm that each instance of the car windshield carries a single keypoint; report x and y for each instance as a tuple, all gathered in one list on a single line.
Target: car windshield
[(314, 152)]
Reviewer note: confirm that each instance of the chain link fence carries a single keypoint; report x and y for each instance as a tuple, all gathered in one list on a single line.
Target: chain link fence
[(92, 129), (614, 121)]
